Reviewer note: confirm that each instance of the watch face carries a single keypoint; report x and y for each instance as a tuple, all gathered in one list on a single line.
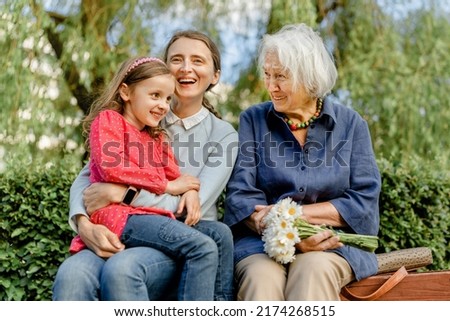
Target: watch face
[(129, 196)]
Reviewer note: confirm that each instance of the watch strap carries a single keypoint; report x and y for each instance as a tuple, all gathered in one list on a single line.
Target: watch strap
[(129, 195)]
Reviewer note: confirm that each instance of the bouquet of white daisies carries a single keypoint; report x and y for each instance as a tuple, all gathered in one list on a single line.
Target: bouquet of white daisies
[(285, 228)]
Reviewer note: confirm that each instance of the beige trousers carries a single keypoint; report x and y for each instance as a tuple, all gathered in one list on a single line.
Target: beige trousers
[(312, 276)]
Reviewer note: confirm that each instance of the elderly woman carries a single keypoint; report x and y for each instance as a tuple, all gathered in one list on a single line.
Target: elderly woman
[(306, 146)]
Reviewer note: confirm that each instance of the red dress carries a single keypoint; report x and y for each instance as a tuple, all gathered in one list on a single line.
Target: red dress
[(120, 153)]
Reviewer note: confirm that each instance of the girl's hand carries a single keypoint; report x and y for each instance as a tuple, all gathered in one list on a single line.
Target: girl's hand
[(99, 195), (183, 184), (190, 203)]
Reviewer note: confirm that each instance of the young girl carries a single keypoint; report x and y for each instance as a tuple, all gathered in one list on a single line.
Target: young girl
[(128, 146)]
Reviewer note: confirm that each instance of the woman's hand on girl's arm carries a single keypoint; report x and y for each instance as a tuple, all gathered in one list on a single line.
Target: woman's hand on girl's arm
[(98, 238), (190, 202), (99, 195)]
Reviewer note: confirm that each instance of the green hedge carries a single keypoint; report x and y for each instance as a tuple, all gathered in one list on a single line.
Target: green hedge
[(34, 234), (415, 209)]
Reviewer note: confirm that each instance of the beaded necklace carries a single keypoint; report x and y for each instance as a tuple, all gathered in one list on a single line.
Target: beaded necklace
[(305, 124)]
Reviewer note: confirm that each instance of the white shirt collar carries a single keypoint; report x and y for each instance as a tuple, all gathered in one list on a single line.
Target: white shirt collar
[(187, 122)]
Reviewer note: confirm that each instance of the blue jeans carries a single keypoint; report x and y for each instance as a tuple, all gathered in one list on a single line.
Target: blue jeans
[(140, 273), (222, 236), (197, 251)]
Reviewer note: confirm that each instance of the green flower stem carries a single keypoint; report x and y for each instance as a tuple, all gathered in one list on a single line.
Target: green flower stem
[(365, 242)]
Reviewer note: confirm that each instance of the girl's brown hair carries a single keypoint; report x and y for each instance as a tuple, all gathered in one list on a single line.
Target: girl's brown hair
[(110, 98), (215, 53)]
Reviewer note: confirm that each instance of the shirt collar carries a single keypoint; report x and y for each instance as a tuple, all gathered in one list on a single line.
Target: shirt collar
[(328, 116), (187, 122)]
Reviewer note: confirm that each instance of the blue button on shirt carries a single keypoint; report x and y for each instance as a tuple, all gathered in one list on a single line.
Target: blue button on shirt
[(336, 164)]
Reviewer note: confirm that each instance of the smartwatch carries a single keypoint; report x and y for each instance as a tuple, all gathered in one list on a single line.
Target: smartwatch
[(129, 195)]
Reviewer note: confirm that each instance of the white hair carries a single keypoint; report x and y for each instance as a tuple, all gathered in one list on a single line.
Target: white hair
[(302, 53)]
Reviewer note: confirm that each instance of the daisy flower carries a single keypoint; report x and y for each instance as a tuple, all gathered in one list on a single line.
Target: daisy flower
[(285, 228)]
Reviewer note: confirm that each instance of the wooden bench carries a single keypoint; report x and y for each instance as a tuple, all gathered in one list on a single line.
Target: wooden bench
[(397, 279)]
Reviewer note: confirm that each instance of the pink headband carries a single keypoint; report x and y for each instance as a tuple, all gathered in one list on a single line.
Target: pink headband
[(141, 61)]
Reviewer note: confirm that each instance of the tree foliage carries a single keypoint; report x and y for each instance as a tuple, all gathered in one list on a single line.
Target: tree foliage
[(56, 55), (397, 74)]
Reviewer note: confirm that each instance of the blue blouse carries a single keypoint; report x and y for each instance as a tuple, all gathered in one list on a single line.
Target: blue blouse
[(337, 164)]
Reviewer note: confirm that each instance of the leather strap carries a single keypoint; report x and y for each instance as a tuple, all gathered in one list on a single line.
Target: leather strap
[(393, 280)]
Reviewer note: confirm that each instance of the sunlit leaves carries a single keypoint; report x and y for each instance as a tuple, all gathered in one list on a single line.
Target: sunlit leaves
[(397, 73)]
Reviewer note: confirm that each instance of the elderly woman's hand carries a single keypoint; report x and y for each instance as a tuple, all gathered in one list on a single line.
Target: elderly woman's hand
[(255, 221), (319, 242)]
